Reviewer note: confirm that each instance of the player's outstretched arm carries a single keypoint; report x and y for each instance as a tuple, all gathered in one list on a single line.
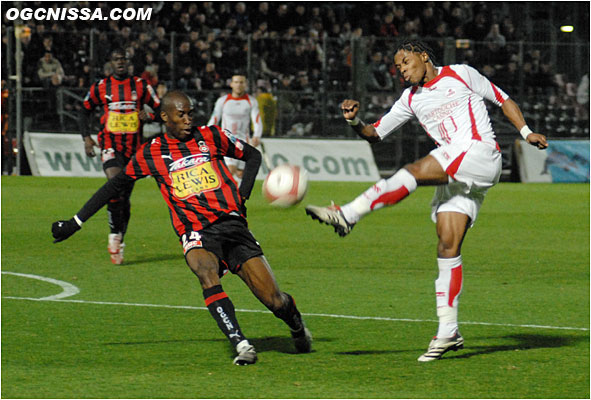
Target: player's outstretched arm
[(513, 114), (368, 132), (61, 230)]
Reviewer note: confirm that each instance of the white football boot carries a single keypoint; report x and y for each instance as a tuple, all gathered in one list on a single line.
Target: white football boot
[(331, 215), (116, 248), (438, 347), (246, 354)]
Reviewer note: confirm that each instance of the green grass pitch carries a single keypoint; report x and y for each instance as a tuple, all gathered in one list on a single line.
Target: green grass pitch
[(140, 330)]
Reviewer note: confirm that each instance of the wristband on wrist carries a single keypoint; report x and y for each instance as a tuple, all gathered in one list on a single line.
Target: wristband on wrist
[(78, 221), (353, 122), (525, 131)]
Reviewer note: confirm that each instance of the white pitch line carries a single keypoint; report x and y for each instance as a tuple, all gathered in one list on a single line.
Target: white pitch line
[(68, 289), (305, 314)]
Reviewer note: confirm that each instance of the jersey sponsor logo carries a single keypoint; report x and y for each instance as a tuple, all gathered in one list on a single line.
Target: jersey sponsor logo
[(193, 175), (123, 123), (440, 113), (121, 105)]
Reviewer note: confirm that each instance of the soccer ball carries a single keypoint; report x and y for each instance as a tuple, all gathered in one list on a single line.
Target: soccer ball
[(285, 186)]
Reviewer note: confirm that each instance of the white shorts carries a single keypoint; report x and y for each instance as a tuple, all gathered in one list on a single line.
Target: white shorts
[(472, 170)]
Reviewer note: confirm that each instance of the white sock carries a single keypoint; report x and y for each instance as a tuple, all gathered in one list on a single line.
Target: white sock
[(448, 288), (384, 193)]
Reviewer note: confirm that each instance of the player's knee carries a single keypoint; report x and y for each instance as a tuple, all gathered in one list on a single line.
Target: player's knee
[(205, 268), (448, 247)]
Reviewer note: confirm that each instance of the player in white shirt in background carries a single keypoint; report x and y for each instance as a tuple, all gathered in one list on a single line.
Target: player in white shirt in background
[(449, 104), (237, 111)]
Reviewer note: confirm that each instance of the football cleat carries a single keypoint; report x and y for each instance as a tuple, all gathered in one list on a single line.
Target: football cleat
[(246, 354), (438, 347), (116, 248), (302, 340), (331, 215)]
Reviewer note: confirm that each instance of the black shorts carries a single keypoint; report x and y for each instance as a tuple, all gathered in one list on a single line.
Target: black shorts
[(112, 158), (229, 239)]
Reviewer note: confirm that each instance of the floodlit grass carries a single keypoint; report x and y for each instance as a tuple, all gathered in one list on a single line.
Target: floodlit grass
[(524, 308)]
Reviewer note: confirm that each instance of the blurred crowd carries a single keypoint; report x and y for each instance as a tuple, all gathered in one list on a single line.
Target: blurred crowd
[(210, 44)]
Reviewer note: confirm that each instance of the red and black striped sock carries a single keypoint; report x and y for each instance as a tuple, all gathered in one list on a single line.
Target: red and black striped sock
[(222, 310)]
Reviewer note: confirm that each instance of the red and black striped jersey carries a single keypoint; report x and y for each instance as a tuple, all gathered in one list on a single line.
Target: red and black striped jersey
[(192, 176), (122, 100)]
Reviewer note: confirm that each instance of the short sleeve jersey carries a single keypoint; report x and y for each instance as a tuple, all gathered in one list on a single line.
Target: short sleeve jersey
[(236, 115), (450, 108), (192, 176), (121, 100)]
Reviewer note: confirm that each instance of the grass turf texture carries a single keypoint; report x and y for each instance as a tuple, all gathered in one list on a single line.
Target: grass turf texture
[(526, 262)]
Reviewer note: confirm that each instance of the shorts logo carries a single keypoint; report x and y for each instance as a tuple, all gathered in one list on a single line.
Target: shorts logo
[(107, 154), (192, 242)]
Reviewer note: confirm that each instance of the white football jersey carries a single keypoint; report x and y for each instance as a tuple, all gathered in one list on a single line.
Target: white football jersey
[(450, 107), (236, 114)]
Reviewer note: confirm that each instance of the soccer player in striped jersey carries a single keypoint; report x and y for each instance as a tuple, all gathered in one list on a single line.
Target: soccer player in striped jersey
[(235, 112), (122, 99), (449, 104), (208, 214)]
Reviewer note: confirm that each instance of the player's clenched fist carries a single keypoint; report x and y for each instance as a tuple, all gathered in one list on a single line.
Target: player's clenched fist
[(350, 108)]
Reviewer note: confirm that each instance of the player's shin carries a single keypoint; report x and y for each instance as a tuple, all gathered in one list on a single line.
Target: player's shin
[(385, 192), (222, 310), (448, 288), (117, 218), (289, 314)]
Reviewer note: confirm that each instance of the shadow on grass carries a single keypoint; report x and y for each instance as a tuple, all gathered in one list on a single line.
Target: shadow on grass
[(280, 344), (520, 342), (147, 260)]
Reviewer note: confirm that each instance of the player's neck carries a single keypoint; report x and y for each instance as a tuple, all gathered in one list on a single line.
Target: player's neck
[(430, 73), (120, 77), (238, 95)]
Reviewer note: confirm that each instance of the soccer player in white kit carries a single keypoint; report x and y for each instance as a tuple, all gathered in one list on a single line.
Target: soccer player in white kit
[(449, 104), (236, 111)]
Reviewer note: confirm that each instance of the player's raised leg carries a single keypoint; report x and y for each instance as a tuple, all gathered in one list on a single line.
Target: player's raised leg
[(385, 192), (258, 276), (205, 265)]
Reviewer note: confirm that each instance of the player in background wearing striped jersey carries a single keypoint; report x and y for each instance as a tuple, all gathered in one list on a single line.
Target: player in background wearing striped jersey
[(122, 99), (208, 214), (237, 111), (449, 104)]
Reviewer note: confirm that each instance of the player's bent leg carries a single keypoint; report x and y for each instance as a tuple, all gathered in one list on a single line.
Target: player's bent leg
[(258, 276), (117, 222), (205, 265)]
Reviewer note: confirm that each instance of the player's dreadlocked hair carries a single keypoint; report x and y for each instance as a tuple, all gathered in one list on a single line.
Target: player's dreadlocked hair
[(416, 46)]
